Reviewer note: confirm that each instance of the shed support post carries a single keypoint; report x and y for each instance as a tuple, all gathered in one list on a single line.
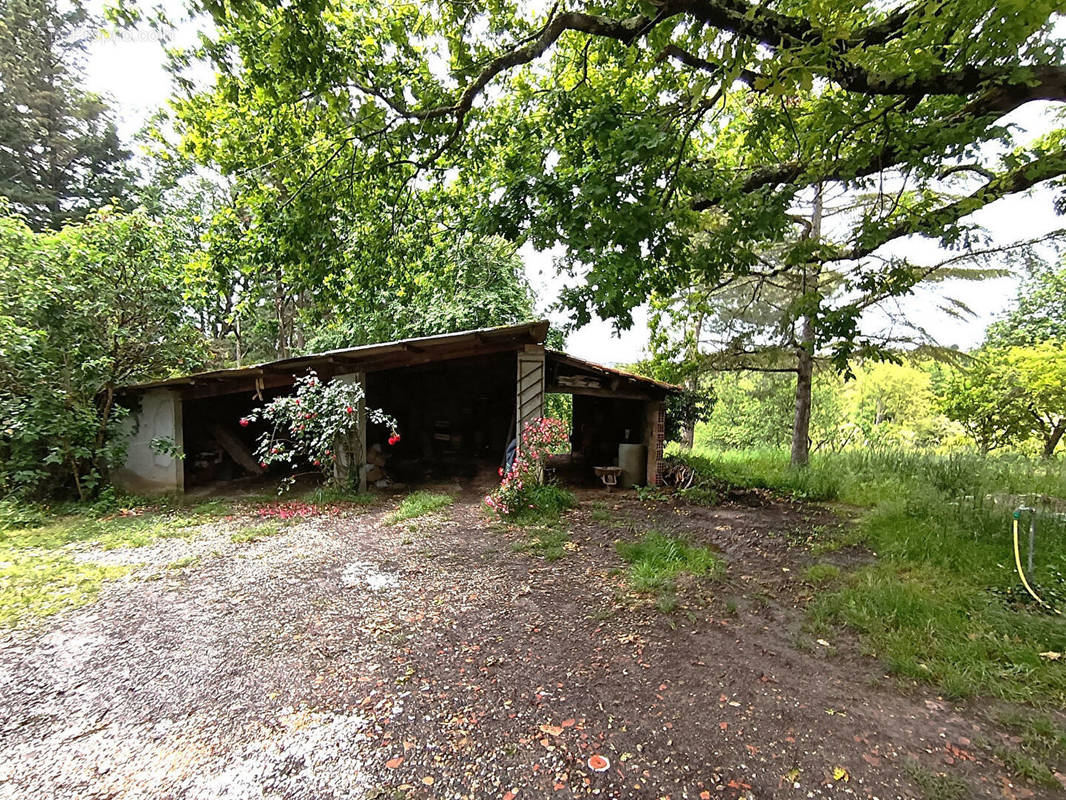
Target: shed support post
[(529, 403), (356, 459), (654, 432)]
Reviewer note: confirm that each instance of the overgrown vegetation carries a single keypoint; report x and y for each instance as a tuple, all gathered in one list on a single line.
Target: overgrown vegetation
[(418, 504), (942, 604)]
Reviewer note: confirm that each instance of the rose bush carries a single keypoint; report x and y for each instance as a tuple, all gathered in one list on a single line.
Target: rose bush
[(518, 488), (318, 425)]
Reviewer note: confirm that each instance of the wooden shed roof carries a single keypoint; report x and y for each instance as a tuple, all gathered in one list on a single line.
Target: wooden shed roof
[(383, 356)]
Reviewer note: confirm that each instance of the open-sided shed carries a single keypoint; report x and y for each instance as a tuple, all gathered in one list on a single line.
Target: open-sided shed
[(460, 399)]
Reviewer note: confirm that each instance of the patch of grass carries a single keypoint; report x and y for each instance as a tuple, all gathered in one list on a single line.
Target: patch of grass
[(186, 561), (255, 533), (942, 604), (1037, 732), (547, 504), (1041, 745), (930, 625), (341, 495), (666, 602), (1023, 765), (699, 496), (936, 785), (547, 542), (39, 584), (656, 560), (601, 515), (821, 574), (418, 504), (39, 572), (212, 508)]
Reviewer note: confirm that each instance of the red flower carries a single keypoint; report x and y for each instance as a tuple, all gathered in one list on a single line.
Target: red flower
[(263, 464), (244, 422), (349, 409), (500, 472), (394, 438)]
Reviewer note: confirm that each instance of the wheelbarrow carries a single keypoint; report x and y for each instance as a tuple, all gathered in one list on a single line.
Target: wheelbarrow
[(609, 476)]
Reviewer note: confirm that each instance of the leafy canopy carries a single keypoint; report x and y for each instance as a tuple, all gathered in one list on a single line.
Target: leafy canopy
[(664, 145), (85, 310)]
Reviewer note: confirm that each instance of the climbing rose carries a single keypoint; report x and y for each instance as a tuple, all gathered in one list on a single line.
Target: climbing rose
[(244, 422), (394, 438)]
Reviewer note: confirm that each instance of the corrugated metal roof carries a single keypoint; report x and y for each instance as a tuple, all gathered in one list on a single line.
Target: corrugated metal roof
[(535, 332), (527, 332)]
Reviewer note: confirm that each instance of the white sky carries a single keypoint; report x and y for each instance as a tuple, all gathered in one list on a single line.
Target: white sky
[(129, 68)]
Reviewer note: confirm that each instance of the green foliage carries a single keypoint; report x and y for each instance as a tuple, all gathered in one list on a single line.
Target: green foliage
[(418, 504), (884, 405), (943, 603), (85, 310), (60, 155), (659, 150), (1006, 395), (657, 559), (458, 283), (1038, 313), (560, 407)]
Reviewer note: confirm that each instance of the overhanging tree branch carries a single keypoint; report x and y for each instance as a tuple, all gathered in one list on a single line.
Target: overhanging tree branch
[(1019, 179)]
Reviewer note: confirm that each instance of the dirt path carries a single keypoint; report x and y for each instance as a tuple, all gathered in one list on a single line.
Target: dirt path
[(349, 659)]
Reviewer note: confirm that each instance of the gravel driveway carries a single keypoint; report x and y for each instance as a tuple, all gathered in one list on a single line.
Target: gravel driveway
[(346, 658)]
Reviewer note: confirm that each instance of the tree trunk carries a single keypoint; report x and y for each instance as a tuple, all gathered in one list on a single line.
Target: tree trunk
[(688, 427), (801, 418), (1053, 439)]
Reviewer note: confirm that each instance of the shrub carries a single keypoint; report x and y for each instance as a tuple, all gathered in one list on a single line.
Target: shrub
[(317, 425), (85, 310), (518, 489)]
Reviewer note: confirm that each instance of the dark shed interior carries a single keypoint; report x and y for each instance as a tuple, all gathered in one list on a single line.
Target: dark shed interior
[(456, 417)]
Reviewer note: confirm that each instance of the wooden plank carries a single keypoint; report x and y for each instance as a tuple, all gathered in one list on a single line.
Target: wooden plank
[(236, 449), (592, 392)]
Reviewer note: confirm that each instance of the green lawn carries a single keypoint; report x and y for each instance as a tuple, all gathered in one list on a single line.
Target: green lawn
[(941, 603), (40, 574)]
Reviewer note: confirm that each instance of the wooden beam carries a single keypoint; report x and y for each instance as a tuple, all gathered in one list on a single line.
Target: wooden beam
[(589, 391)]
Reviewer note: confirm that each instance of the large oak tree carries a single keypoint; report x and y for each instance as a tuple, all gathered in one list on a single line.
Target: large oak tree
[(665, 145)]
